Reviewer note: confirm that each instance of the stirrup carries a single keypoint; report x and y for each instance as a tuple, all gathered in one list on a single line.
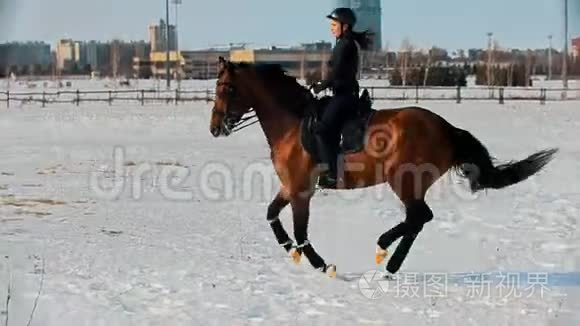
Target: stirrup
[(327, 182)]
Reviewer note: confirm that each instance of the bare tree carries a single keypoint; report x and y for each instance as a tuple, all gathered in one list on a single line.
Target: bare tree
[(406, 54), (492, 61), (510, 74), (115, 57), (428, 65), (387, 60), (323, 67)]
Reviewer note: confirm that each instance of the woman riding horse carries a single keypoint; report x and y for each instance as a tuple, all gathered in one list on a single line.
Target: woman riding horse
[(407, 148), (343, 82)]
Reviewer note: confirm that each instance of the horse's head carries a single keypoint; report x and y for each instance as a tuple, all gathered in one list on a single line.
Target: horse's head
[(229, 104)]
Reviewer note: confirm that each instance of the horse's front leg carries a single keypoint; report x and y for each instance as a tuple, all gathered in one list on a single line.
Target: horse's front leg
[(301, 215), (273, 217)]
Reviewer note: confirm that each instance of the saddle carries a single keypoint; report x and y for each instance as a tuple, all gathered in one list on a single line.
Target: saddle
[(353, 131)]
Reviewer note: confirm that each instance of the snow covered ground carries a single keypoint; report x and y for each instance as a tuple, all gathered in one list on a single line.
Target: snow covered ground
[(176, 233)]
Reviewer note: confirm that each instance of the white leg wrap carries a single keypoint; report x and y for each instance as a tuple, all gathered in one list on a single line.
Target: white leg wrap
[(306, 243), (289, 242)]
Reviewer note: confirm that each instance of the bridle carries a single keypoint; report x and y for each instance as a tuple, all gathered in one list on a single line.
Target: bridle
[(234, 123)]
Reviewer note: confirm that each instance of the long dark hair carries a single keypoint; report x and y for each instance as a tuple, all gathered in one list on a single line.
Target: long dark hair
[(364, 39)]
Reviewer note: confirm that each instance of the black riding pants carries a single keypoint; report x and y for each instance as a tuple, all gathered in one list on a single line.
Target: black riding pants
[(340, 108)]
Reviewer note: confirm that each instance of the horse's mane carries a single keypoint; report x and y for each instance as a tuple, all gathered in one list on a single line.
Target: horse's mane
[(292, 96)]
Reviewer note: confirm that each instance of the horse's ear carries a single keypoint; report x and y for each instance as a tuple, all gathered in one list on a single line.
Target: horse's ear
[(225, 65), (222, 64)]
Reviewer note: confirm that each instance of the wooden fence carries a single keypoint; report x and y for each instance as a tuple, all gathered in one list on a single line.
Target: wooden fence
[(107, 96), (382, 93)]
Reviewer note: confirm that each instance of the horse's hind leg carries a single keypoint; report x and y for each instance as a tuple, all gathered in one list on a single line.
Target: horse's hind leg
[(301, 213), (387, 239), (401, 252), (274, 209), (417, 214)]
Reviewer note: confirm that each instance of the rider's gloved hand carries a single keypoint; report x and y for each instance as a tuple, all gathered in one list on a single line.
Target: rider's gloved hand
[(317, 87)]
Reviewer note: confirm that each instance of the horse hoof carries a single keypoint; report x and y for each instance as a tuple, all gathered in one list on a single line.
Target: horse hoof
[(296, 256), (380, 255), (331, 271)]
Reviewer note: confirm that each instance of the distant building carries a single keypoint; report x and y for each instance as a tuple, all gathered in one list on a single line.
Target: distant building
[(98, 56), (299, 62), (74, 57), (576, 48), (123, 54), (303, 62), (108, 59), (142, 68), (81, 55), (317, 46), (25, 58), (65, 55), (142, 49), (201, 64), (438, 54), (158, 37)]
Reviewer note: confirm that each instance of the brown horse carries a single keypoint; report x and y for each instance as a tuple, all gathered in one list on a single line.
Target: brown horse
[(408, 148)]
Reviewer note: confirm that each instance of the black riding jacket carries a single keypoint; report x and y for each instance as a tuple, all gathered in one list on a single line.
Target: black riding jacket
[(342, 77)]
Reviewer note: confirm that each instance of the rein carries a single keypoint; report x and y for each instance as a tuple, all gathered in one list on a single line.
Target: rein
[(240, 124)]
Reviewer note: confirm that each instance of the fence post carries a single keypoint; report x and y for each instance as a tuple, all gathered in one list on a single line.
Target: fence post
[(207, 99), (110, 98), (78, 97), (43, 99), (142, 97), (8, 99), (373, 93), (176, 96), (458, 94), (501, 98), (417, 93), (543, 96)]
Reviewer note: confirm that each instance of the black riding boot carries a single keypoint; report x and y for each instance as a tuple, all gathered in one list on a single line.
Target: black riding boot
[(328, 156)]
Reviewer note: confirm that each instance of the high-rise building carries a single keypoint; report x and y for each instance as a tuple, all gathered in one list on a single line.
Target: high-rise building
[(93, 55), (576, 48), (65, 54), (369, 17), (98, 56), (142, 49), (29, 53), (32, 57), (158, 37), (80, 56)]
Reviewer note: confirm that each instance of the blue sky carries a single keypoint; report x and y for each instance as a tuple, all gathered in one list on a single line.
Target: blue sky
[(449, 23)]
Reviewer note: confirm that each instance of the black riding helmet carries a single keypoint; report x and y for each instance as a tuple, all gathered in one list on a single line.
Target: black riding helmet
[(344, 16)]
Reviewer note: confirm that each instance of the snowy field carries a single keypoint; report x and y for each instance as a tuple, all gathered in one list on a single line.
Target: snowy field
[(130, 215)]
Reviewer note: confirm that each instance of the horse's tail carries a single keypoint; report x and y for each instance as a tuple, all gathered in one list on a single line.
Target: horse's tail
[(473, 162)]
